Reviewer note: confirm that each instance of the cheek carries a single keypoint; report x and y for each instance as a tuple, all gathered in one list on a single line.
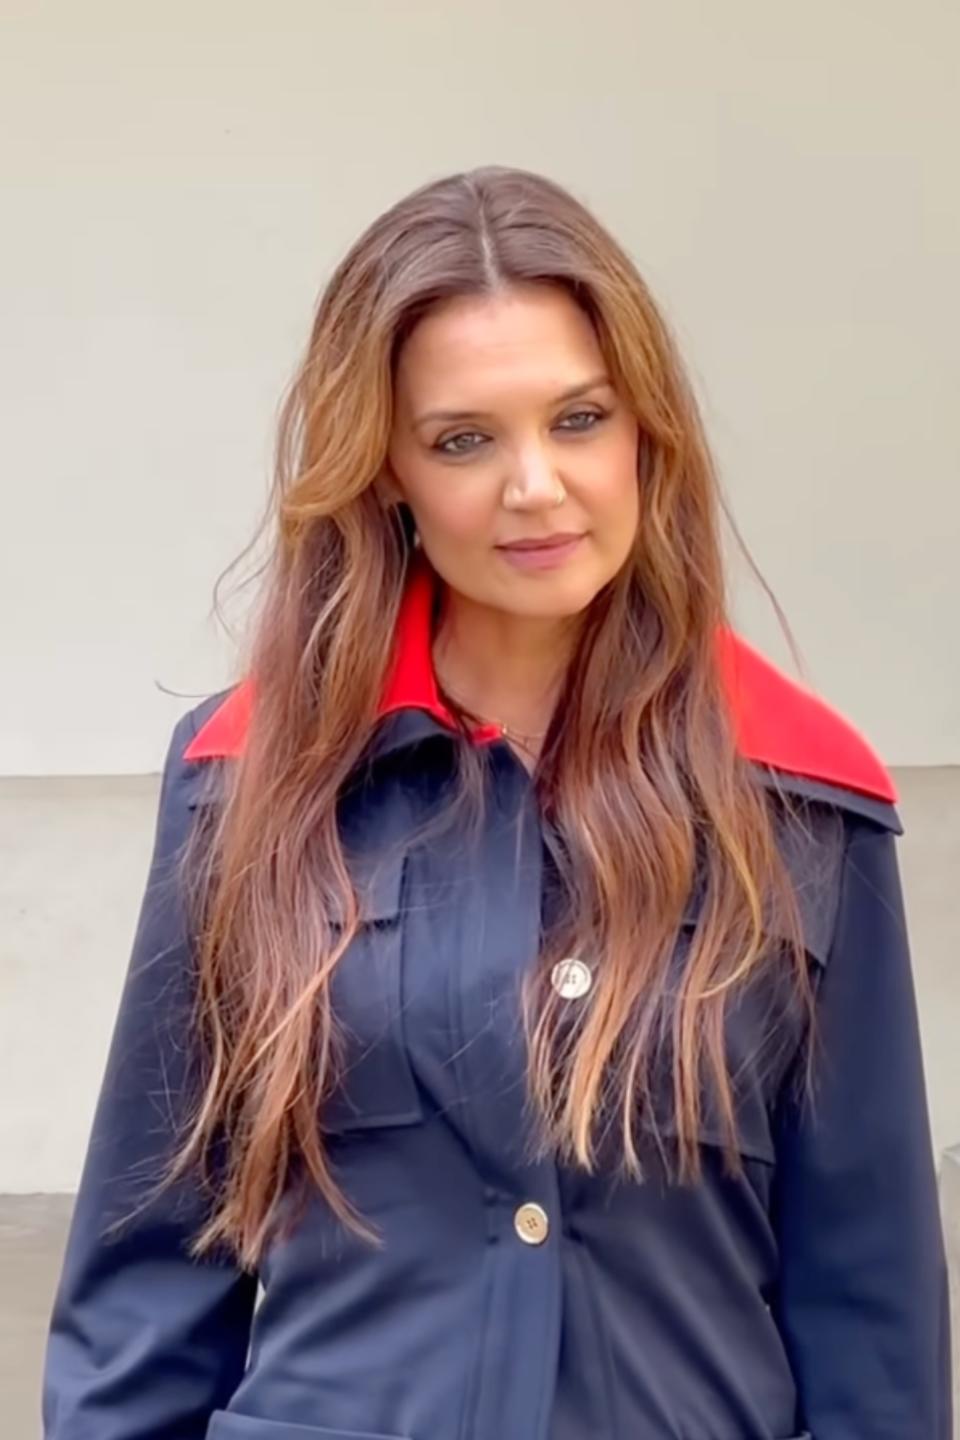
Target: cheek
[(446, 509), (615, 491)]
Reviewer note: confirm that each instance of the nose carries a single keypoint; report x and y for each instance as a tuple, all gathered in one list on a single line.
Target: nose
[(533, 483)]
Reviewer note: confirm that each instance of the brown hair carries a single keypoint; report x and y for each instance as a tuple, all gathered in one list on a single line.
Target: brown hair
[(645, 793)]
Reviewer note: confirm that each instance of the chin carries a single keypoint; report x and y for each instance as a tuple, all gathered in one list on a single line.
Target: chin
[(557, 598)]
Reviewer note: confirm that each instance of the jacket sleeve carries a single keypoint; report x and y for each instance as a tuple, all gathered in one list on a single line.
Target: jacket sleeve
[(862, 1299), (143, 1342)]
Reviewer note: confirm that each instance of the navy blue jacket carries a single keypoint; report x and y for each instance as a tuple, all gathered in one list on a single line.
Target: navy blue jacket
[(513, 1300)]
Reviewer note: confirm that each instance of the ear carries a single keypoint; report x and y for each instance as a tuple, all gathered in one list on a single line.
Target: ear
[(388, 488)]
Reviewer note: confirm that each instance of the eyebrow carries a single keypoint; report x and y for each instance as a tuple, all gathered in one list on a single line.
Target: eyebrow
[(575, 391)]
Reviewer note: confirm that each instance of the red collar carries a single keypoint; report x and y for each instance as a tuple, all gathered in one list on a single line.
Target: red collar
[(412, 684), (778, 723)]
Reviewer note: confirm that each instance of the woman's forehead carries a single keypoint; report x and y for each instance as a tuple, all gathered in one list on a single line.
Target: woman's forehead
[(536, 339)]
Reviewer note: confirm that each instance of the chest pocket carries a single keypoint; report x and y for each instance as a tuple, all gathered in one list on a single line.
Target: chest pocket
[(765, 1023), (750, 1022), (377, 1087)]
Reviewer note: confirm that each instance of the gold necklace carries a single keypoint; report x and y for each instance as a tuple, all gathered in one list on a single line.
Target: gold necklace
[(508, 731), (523, 741)]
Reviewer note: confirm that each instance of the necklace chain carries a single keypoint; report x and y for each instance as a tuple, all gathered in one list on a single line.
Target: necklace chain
[(508, 731), (518, 736)]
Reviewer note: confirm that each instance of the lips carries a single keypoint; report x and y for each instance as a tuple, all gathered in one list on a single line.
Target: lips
[(550, 542), (546, 554)]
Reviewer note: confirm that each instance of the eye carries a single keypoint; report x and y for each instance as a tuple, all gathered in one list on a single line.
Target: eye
[(463, 443), (581, 420)]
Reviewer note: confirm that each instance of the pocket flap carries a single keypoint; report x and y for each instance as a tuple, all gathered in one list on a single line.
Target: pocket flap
[(378, 881), (811, 843), (231, 1425), (376, 871), (377, 1087)]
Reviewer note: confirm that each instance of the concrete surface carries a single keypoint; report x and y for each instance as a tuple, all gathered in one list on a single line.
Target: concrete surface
[(950, 1206), (930, 863), (73, 857), (32, 1233), (73, 863)]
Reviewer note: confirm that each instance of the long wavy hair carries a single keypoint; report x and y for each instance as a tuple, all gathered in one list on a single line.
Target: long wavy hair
[(639, 778)]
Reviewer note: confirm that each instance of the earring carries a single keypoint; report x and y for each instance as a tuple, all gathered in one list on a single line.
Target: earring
[(406, 522)]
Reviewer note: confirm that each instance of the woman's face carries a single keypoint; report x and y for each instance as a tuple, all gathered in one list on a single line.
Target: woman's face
[(499, 402)]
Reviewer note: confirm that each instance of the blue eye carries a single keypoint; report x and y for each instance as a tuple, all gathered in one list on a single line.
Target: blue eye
[(463, 444), (468, 442), (581, 420)]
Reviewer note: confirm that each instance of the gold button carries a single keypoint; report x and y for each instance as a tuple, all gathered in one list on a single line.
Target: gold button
[(571, 979), (531, 1223)]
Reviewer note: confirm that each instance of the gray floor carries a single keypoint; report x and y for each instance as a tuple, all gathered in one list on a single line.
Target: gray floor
[(32, 1230), (32, 1226)]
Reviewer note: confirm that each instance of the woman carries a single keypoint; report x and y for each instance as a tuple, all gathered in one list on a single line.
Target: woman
[(521, 993)]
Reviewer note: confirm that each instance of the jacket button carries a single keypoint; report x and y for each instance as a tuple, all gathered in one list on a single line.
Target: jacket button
[(531, 1223), (571, 979)]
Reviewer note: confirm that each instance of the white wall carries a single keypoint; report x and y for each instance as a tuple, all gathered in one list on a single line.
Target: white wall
[(178, 180)]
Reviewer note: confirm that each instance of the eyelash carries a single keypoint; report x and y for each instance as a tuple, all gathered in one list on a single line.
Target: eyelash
[(595, 416)]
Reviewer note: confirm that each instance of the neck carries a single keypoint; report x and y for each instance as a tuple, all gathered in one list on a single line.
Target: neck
[(503, 668)]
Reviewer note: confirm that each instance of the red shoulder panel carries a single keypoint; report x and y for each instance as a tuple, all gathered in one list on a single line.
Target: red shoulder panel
[(781, 724), (777, 723), (224, 734)]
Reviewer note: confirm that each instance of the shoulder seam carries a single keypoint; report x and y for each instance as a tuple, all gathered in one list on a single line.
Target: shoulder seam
[(791, 788)]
